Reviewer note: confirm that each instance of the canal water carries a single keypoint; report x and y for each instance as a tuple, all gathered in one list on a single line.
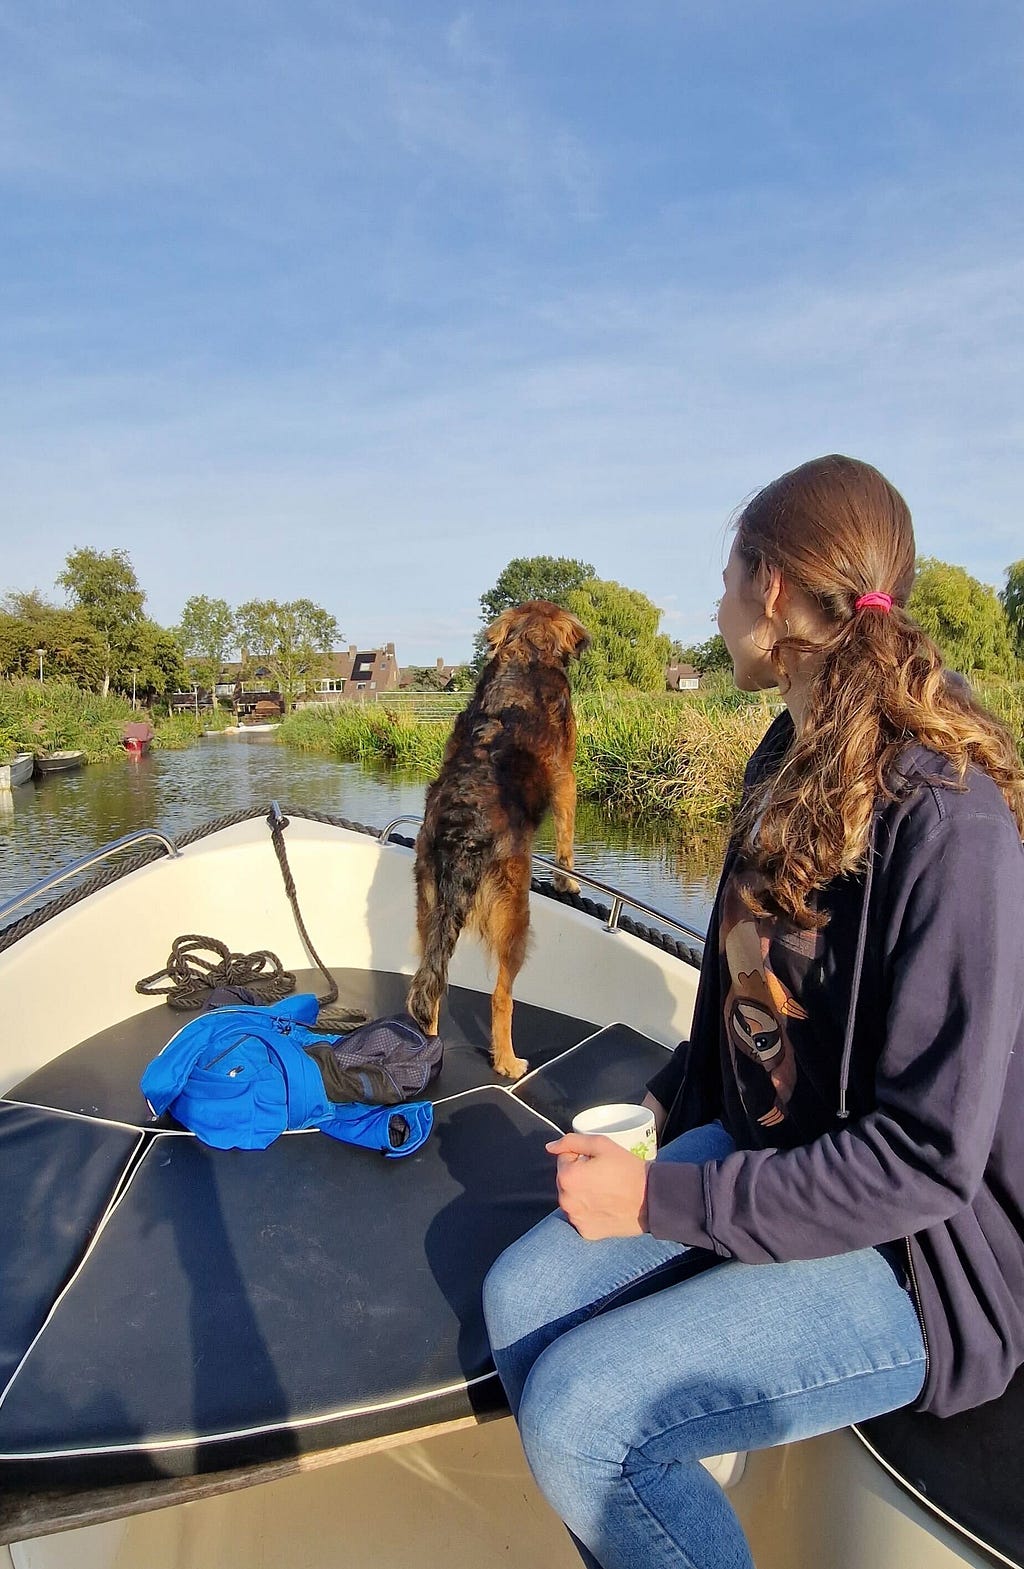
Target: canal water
[(51, 821)]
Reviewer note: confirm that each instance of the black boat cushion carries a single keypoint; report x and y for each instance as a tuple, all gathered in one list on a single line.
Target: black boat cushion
[(59, 1175), (100, 1077), (612, 1066), (968, 1468), (241, 1305)]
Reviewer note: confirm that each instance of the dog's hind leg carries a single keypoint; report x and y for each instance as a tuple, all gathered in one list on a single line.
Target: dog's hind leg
[(503, 917), (422, 1007), (563, 812)]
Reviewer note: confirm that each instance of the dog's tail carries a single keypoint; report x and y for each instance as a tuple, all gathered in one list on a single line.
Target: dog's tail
[(455, 883)]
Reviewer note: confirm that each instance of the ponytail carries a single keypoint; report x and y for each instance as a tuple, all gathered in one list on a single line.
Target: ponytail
[(841, 533)]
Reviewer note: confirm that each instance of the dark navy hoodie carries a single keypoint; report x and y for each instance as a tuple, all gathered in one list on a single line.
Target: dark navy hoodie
[(909, 1119)]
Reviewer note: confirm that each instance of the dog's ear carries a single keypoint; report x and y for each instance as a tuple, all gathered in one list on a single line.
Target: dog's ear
[(572, 635), (499, 632)]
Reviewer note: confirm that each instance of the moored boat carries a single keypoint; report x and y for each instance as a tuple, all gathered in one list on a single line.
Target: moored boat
[(16, 772), (58, 762), (137, 737), (208, 1334)]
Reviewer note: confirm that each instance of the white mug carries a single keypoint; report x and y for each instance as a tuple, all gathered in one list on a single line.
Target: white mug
[(631, 1126)]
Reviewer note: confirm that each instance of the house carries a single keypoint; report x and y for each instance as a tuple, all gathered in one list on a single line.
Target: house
[(249, 699), (197, 701), (681, 678), (258, 678), (356, 674)]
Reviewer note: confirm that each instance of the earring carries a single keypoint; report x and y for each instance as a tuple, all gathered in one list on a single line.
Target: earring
[(761, 648)]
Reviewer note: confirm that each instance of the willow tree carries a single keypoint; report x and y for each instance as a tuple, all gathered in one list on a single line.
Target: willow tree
[(964, 617), (1012, 600), (626, 648)]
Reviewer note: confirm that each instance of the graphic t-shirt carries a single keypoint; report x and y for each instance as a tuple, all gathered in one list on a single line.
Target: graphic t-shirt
[(781, 1033)]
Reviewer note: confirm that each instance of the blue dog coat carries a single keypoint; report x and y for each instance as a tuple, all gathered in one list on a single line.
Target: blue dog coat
[(239, 1077)]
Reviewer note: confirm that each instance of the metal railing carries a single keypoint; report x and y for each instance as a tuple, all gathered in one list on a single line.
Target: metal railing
[(618, 898), (129, 841)]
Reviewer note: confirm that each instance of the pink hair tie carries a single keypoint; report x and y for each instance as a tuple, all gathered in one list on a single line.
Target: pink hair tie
[(882, 602)]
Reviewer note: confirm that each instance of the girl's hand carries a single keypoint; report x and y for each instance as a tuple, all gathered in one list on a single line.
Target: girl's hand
[(602, 1188)]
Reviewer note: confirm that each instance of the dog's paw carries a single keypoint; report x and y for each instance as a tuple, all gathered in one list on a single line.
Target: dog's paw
[(514, 1068), (565, 883)]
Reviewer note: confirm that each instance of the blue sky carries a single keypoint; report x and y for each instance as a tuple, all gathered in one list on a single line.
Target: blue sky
[(300, 297)]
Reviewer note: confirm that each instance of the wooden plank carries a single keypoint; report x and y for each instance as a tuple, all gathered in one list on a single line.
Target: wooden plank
[(24, 1516)]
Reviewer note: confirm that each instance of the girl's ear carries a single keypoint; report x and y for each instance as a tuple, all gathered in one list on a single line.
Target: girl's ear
[(770, 583)]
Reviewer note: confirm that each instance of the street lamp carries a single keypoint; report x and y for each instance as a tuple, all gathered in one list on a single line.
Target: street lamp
[(134, 674), (40, 652)]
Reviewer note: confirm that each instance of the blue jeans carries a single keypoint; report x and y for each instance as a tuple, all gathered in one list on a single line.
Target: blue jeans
[(627, 1361)]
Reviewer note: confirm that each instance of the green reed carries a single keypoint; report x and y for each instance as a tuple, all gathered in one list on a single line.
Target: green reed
[(678, 755)]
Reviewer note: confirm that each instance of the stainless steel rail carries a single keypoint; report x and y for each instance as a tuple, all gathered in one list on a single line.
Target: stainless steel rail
[(616, 895), (129, 841)]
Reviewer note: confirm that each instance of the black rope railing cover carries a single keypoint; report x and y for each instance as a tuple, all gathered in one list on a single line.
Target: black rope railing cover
[(133, 862)]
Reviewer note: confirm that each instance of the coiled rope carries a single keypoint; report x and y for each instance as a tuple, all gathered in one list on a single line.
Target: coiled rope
[(199, 965), (191, 973)]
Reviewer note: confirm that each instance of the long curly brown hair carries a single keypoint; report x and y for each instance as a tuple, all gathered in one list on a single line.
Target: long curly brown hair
[(836, 529)]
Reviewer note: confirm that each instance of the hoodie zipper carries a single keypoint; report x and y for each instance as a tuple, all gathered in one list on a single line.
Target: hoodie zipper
[(916, 1295), (858, 971)]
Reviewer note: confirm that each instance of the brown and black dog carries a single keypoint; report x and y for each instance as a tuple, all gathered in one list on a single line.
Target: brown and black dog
[(509, 758)]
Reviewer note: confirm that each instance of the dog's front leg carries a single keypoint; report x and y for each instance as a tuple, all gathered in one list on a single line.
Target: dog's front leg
[(506, 922), (503, 1057), (563, 811)]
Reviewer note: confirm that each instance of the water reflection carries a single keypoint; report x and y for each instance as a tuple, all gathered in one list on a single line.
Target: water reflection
[(53, 820)]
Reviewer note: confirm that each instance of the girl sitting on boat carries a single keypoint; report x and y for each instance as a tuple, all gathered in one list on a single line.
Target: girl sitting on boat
[(834, 1225)]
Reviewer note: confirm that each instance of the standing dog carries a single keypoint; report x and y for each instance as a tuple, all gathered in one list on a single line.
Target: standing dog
[(509, 758)]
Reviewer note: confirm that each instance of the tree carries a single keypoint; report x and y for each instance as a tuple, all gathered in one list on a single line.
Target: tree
[(712, 655), (16, 645), (291, 639), (626, 648), (151, 663), (964, 617), (72, 648), (104, 587), (207, 635), (534, 577), (463, 678), (528, 577), (426, 678), (1012, 600)]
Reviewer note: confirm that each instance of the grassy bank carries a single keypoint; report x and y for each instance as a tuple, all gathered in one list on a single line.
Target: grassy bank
[(675, 755), (57, 715)]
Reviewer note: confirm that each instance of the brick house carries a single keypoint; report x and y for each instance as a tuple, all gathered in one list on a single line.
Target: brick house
[(354, 674)]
